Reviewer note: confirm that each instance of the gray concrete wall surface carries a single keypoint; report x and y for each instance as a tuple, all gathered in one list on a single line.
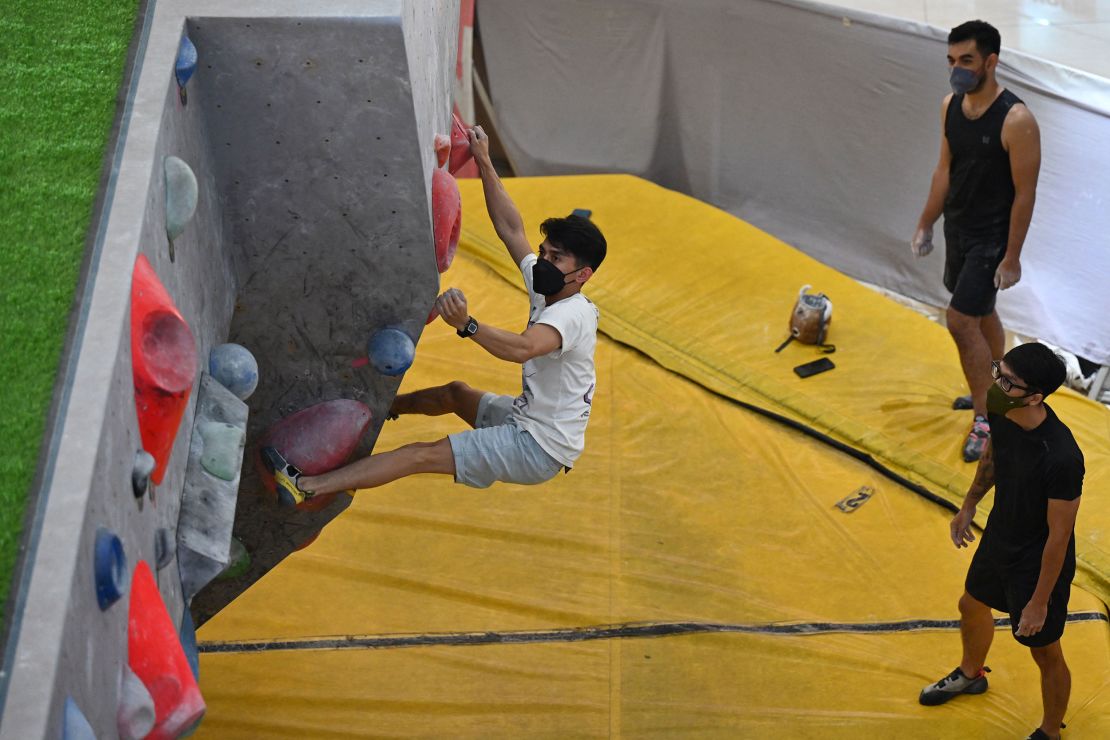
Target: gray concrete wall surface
[(298, 250), (331, 236)]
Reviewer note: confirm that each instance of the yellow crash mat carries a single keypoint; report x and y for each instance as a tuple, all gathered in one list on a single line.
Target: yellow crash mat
[(691, 577), (709, 296)]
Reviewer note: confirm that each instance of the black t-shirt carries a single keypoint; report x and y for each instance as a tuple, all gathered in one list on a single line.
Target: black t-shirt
[(1030, 467)]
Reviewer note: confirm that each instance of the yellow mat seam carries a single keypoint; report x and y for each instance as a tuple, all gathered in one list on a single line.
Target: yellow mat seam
[(612, 632)]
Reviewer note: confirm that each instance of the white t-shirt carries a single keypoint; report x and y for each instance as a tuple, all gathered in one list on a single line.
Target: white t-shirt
[(558, 387)]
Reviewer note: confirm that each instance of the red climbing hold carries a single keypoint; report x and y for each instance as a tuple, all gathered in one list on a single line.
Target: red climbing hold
[(442, 145), (163, 364), (155, 655), (317, 439), (460, 145), (446, 217)]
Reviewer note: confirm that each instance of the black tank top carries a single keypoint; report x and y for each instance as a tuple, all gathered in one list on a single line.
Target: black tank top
[(980, 185)]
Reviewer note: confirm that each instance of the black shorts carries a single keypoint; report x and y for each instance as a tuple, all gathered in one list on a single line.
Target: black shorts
[(1009, 591), (969, 266)]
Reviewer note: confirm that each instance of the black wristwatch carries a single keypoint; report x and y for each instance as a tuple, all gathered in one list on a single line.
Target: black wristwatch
[(470, 328)]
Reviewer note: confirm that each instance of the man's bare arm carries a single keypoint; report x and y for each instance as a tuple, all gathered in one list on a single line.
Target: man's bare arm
[(1061, 522), (938, 188), (960, 526), (536, 340), (502, 211), (984, 477), (1022, 140)]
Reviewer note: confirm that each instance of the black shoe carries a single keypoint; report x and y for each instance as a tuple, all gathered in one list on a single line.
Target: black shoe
[(954, 684), (962, 403), (1039, 734)]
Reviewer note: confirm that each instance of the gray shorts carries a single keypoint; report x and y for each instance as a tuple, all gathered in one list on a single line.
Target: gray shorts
[(497, 450)]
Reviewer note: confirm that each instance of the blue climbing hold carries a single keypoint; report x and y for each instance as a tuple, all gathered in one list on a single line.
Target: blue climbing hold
[(390, 351), (109, 568), (188, 636), (235, 368), (185, 66), (75, 726), (186, 61)]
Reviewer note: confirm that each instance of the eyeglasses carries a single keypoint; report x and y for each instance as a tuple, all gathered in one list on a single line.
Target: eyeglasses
[(1004, 381)]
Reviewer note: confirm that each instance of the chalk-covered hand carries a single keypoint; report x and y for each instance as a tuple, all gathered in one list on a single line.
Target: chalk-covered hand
[(1032, 619), (479, 143), (960, 527), (1008, 274), (922, 242), (452, 307)]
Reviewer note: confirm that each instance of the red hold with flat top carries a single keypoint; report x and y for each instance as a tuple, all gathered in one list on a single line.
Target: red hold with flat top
[(163, 364)]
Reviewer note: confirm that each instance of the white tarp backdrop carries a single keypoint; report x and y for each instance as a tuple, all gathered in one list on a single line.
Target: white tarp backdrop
[(817, 124)]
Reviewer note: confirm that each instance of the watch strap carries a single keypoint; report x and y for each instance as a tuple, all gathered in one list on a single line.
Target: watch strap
[(470, 328)]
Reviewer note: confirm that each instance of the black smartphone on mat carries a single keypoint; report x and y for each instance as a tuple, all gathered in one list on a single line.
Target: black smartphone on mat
[(812, 368)]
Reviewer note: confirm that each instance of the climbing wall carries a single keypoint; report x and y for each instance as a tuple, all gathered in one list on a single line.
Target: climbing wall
[(324, 190), (262, 268)]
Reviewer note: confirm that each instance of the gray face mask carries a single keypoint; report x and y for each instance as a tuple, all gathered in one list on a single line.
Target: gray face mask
[(963, 80)]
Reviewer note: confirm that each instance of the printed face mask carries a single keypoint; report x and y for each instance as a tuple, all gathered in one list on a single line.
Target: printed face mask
[(963, 80), (1000, 403), (547, 278)]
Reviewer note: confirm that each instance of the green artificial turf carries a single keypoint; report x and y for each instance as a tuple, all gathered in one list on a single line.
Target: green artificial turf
[(61, 64)]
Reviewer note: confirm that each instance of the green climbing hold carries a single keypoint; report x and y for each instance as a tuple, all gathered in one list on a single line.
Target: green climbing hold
[(223, 449), (240, 561), (181, 196)]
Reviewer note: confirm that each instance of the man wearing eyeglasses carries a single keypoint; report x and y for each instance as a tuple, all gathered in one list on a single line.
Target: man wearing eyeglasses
[(1025, 561)]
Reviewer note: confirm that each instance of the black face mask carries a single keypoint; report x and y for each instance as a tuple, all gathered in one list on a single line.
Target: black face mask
[(547, 279)]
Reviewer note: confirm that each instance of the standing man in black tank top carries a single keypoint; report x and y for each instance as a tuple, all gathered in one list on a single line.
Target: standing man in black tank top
[(985, 184)]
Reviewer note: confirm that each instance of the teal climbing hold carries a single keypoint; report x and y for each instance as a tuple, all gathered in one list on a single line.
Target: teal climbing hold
[(223, 449), (181, 197)]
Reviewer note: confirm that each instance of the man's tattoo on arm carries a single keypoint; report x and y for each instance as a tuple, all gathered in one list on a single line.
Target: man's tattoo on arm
[(984, 476)]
